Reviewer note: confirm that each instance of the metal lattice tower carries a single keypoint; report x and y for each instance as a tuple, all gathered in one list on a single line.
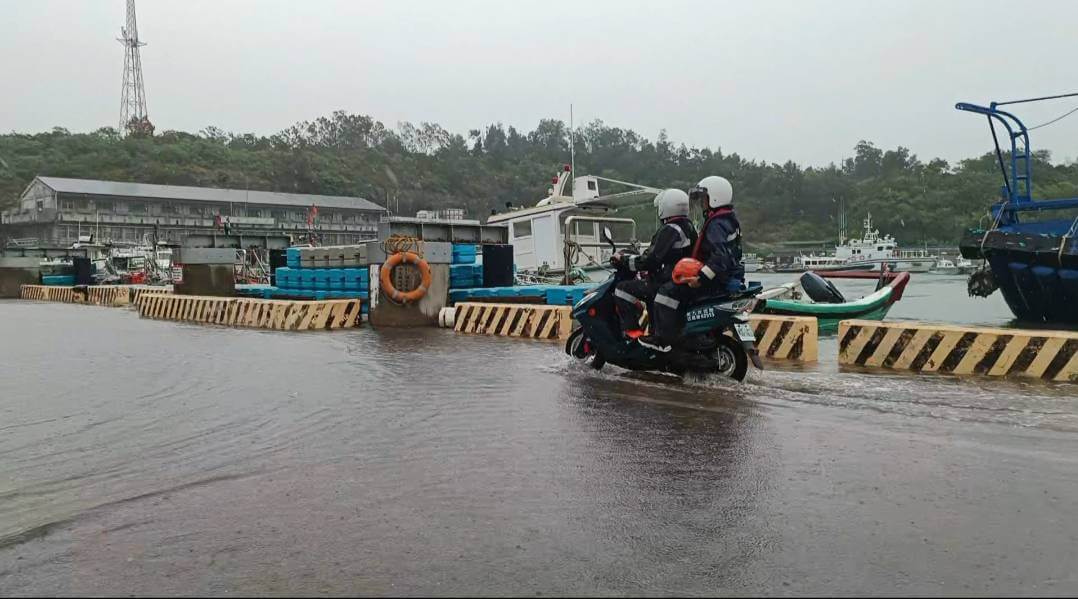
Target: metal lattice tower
[(133, 117)]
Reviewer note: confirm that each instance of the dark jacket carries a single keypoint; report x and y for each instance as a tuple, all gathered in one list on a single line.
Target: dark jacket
[(672, 242), (719, 248)]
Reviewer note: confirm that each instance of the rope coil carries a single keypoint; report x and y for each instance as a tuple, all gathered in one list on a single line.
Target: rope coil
[(397, 243)]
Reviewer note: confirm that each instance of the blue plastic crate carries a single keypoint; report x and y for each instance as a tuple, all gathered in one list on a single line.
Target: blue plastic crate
[(286, 277), (321, 279), (530, 291), (58, 279), (556, 296), (306, 278), (356, 278), (361, 295), (292, 258), (335, 279), (464, 253), (469, 270)]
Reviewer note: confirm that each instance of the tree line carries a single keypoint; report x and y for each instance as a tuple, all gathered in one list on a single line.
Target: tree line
[(423, 166)]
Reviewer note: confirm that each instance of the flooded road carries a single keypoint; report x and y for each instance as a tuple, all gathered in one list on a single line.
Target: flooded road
[(150, 457)]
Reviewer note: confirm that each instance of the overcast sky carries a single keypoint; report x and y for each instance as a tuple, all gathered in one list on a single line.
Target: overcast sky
[(801, 80)]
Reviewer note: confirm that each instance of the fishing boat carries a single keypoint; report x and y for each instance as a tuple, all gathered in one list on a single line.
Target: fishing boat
[(1031, 246), (961, 266), (751, 262), (558, 237), (812, 295), (810, 262)]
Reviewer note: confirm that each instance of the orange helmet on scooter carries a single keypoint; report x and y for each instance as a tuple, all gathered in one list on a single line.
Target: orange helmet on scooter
[(686, 268)]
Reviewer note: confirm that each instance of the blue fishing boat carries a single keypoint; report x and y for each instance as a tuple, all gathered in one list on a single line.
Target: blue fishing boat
[(1030, 248)]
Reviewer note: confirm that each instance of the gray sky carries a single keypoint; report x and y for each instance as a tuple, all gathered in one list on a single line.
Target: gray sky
[(801, 80)]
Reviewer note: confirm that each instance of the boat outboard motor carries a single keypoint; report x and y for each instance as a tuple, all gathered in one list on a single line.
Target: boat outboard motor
[(820, 289)]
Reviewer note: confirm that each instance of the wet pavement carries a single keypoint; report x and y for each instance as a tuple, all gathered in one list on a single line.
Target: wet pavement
[(156, 458)]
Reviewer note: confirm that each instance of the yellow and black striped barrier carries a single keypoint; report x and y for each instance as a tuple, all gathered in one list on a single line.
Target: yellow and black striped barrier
[(285, 315), (948, 349), (514, 320), (787, 337), (138, 291), (108, 295), (53, 293)]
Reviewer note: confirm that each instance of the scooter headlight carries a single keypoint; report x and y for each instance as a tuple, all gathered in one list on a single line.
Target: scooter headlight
[(745, 305)]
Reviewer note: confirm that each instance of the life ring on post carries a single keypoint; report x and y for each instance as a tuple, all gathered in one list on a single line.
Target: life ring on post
[(387, 283)]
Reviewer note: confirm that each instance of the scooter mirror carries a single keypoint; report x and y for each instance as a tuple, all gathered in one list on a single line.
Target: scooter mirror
[(609, 237)]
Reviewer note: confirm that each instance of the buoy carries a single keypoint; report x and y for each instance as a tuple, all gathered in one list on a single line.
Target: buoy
[(387, 283)]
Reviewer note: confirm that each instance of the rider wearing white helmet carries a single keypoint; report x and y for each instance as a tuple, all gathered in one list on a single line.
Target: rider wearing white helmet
[(718, 248), (673, 241)]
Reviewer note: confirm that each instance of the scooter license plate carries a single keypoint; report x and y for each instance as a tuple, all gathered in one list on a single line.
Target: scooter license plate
[(744, 332)]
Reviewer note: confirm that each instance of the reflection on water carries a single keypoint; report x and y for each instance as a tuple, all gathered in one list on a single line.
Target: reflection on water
[(152, 457)]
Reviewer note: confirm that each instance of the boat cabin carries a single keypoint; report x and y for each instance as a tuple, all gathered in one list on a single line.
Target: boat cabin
[(563, 226)]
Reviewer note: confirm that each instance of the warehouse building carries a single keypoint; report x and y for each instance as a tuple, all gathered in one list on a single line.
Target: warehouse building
[(58, 211)]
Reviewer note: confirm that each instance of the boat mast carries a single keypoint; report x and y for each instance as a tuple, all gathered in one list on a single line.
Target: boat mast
[(572, 154)]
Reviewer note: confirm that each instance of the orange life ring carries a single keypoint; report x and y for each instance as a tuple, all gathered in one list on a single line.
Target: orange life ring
[(405, 296)]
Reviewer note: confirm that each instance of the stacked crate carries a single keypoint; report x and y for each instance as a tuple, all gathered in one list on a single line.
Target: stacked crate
[(334, 272), (464, 273)]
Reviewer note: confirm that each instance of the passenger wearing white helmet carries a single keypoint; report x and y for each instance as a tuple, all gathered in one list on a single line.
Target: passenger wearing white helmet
[(718, 249), (673, 241)]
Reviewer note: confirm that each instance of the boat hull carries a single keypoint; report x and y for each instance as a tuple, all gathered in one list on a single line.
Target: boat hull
[(1037, 273), (872, 307)]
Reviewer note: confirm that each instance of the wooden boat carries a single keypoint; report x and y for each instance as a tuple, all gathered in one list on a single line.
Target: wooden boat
[(812, 295)]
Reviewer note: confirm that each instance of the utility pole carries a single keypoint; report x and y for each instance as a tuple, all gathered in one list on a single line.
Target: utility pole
[(133, 115)]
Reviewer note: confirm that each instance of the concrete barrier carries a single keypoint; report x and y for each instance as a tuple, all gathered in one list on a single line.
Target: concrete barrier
[(137, 291), (786, 337), (514, 320), (948, 349), (285, 315), (50, 293), (108, 295)]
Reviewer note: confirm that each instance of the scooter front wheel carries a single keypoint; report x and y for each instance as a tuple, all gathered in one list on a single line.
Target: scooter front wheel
[(577, 346), (731, 357)]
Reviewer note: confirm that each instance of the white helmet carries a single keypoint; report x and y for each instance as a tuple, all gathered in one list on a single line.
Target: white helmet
[(717, 190), (672, 202)]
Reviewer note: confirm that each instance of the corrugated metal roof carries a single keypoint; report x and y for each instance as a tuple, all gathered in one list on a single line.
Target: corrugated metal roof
[(203, 194)]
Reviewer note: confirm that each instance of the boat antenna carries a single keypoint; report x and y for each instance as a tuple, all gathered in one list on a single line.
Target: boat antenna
[(572, 153), (1035, 99)]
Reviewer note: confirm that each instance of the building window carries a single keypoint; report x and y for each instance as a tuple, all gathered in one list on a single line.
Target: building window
[(137, 208)]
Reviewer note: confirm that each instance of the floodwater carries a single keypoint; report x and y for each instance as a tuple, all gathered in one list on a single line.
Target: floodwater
[(157, 458)]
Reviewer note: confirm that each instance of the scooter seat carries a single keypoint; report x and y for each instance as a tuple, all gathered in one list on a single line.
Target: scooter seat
[(710, 299)]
